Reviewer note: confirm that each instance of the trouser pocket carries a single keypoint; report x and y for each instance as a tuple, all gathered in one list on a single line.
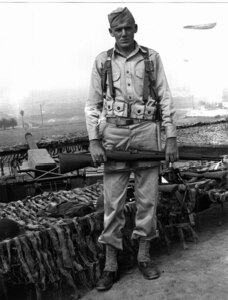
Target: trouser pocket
[(144, 136)]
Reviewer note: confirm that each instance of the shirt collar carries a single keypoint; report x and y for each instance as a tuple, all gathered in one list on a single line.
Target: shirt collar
[(135, 51)]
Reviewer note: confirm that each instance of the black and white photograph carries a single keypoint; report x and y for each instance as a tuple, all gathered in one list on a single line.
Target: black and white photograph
[(113, 150)]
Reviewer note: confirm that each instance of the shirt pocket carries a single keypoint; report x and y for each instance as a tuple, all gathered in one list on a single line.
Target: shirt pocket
[(139, 73), (115, 81), (139, 80)]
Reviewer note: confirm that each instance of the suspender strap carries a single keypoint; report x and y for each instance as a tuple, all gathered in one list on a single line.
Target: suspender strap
[(148, 85), (107, 73), (103, 81), (148, 88)]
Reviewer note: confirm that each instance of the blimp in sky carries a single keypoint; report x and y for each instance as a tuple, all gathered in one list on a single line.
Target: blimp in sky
[(201, 26)]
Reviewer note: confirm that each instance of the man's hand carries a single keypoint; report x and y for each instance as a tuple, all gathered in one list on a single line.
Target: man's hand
[(97, 152), (171, 150)]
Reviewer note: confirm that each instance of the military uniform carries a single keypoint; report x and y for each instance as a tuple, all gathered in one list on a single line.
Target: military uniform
[(128, 98), (128, 81)]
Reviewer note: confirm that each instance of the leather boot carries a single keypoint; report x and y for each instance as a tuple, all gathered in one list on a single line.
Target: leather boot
[(106, 281), (148, 268), (109, 275)]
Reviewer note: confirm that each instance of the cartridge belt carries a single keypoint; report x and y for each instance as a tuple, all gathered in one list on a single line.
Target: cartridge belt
[(121, 109), (118, 121)]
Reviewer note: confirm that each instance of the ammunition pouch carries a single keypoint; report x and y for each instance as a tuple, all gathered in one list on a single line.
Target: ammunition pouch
[(108, 107), (150, 113), (115, 108), (150, 110), (137, 111), (151, 107), (122, 109)]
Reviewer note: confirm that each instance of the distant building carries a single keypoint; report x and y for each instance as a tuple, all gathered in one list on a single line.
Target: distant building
[(225, 95), (183, 102), (225, 98)]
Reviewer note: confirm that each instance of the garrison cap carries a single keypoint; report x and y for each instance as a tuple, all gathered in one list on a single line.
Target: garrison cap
[(120, 15)]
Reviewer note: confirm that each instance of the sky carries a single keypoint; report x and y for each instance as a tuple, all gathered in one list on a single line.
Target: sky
[(52, 45)]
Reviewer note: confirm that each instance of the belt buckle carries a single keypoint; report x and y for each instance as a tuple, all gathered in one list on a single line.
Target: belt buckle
[(129, 122), (123, 122), (117, 121)]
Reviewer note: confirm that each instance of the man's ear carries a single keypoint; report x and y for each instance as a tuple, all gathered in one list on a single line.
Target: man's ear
[(136, 28), (110, 31)]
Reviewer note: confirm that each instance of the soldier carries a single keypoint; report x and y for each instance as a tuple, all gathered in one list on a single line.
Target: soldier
[(129, 90)]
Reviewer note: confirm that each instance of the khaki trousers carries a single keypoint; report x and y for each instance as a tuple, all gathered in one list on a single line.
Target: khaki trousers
[(142, 136)]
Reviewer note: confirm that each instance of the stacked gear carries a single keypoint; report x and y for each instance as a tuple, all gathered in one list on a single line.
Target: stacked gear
[(57, 251)]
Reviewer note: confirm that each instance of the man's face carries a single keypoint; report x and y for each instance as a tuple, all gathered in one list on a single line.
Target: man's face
[(124, 34)]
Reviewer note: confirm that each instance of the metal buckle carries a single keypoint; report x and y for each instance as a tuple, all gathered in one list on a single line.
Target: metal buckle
[(123, 122), (129, 122)]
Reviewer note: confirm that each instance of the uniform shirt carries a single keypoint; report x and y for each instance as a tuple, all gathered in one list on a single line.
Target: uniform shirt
[(128, 79)]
